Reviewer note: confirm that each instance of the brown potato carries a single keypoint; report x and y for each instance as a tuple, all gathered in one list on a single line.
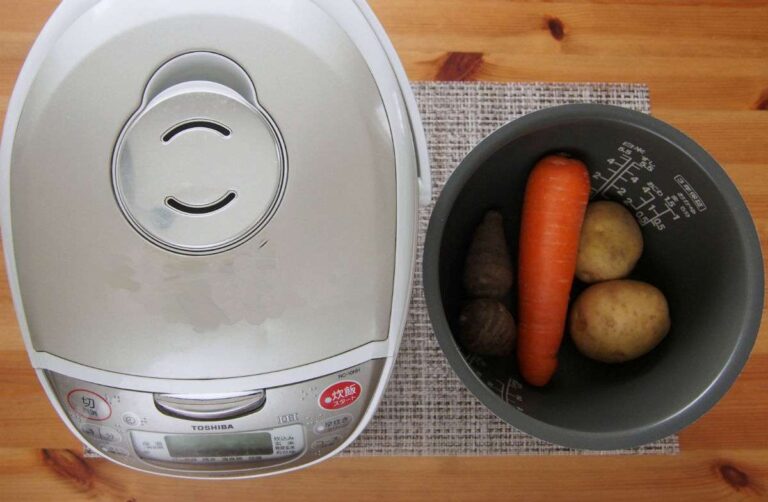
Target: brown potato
[(611, 243), (488, 268), (617, 321), (487, 328)]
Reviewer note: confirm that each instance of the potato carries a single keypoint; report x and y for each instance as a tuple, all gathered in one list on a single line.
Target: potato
[(611, 243), (617, 321), (487, 328)]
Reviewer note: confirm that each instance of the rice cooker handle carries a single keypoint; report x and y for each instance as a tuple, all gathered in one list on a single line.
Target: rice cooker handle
[(210, 408)]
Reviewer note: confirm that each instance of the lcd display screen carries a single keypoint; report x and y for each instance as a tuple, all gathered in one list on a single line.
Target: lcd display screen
[(220, 445)]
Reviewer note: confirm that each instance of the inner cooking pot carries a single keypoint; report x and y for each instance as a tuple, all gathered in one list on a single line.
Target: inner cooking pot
[(701, 250)]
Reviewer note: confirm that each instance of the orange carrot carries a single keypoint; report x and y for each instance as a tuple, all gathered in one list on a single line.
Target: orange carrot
[(556, 198)]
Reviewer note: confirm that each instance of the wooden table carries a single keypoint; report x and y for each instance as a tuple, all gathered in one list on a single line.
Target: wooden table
[(706, 62)]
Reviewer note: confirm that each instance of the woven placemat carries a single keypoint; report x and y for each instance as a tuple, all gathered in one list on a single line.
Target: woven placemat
[(426, 409)]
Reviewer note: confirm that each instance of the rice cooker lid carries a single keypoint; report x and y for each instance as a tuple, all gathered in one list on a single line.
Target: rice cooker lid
[(204, 190)]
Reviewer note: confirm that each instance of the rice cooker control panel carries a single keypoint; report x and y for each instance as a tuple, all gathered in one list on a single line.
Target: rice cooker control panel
[(220, 435)]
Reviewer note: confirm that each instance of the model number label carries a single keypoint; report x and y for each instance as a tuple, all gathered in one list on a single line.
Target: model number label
[(348, 373)]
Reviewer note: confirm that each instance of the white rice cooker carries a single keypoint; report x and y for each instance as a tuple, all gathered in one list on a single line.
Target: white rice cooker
[(209, 214)]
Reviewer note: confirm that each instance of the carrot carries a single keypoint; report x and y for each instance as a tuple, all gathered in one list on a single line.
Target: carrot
[(556, 198)]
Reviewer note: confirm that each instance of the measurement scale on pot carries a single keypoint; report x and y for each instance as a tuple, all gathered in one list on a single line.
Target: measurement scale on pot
[(657, 202)]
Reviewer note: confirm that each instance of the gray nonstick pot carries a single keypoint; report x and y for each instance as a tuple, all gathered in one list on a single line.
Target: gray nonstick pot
[(701, 250)]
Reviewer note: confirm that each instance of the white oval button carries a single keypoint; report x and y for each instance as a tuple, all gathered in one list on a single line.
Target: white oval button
[(326, 442), (333, 424), (90, 431), (110, 434), (116, 450)]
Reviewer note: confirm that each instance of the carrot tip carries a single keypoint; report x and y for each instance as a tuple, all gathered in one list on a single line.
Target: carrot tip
[(537, 371)]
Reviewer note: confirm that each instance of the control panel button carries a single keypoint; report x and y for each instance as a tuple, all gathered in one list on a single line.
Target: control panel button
[(110, 434), (90, 431), (333, 424), (340, 395), (116, 450), (131, 419), (326, 442), (89, 405)]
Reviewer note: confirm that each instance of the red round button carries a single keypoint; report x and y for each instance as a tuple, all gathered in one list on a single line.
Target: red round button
[(340, 395)]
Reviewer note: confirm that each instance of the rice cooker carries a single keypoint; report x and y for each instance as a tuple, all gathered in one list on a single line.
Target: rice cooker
[(209, 215)]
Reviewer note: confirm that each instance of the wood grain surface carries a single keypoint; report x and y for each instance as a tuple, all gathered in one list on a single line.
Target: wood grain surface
[(706, 62)]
